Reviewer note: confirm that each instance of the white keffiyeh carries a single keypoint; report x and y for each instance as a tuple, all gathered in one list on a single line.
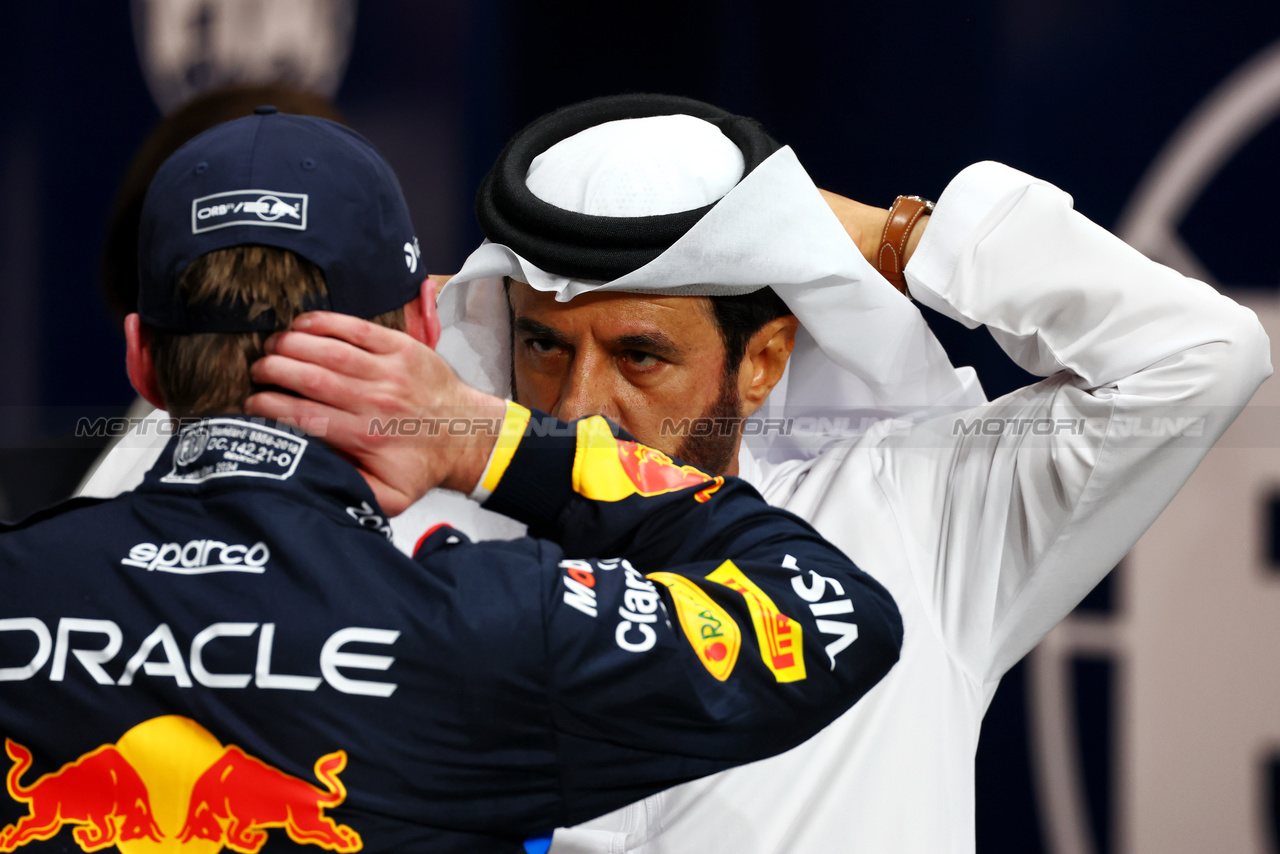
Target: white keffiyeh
[(864, 352)]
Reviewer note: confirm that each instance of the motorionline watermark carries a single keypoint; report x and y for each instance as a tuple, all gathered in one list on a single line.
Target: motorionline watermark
[(801, 425), (145, 426), (1118, 426), (444, 426), (820, 427), (1142, 426)]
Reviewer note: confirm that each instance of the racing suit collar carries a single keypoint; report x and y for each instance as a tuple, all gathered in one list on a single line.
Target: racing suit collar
[(232, 452)]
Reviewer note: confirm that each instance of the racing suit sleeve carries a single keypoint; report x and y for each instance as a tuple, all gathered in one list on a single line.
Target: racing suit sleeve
[(1016, 509), (718, 630)]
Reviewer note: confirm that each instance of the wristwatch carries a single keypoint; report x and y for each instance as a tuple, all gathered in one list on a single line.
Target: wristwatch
[(904, 213)]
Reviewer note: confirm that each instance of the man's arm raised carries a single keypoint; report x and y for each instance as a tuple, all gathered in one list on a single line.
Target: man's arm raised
[(865, 224), (1015, 510)]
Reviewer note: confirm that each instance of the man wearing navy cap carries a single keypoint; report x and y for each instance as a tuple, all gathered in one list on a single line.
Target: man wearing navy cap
[(235, 654)]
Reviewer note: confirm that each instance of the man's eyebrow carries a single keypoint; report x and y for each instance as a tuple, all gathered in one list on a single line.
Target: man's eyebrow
[(539, 330), (656, 343)]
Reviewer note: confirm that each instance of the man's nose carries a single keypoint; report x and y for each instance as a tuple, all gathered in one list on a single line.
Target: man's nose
[(588, 390)]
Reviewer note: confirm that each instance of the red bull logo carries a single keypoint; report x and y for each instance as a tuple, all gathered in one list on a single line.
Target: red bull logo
[(238, 797), (169, 785), (100, 792), (606, 468)]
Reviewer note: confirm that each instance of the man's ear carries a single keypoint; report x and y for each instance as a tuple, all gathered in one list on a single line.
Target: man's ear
[(765, 360), (420, 317), (138, 364)]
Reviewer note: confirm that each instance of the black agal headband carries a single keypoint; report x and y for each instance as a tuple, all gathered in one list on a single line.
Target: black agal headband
[(580, 245)]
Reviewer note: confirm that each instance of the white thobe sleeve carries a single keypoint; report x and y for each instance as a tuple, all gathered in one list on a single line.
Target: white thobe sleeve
[(1016, 509)]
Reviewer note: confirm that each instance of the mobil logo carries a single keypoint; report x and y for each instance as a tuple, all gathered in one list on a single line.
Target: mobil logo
[(168, 784)]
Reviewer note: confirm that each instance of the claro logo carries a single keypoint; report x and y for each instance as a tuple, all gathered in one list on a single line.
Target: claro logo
[(199, 557), (640, 600)]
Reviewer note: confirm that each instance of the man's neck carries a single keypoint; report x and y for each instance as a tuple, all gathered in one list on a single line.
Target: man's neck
[(732, 469)]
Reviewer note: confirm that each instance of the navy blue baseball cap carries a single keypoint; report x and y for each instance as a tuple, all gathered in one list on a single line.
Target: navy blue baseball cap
[(300, 183)]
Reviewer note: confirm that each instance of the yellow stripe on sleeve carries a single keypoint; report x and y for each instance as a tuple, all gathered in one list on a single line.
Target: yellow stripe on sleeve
[(513, 429)]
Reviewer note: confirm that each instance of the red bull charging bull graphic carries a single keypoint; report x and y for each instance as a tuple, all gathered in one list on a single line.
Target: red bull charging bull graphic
[(169, 785), (606, 468), (100, 792)]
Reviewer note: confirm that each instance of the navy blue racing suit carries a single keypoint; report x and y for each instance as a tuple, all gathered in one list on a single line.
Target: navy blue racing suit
[(235, 653)]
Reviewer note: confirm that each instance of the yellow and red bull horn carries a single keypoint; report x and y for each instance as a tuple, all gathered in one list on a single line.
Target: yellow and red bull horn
[(606, 468)]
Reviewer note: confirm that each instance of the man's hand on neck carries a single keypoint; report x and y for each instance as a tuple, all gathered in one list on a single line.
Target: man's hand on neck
[(385, 400)]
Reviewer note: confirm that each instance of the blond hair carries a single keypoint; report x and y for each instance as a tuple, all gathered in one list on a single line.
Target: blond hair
[(207, 373)]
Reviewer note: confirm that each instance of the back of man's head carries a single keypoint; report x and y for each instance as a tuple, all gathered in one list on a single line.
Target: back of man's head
[(207, 373), (251, 223), (118, 265)]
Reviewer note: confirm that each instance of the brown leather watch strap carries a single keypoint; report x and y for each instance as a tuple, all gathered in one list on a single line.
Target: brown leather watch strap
[(903, 216)]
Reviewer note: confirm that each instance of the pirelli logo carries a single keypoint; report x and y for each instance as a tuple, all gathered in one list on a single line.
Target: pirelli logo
[(780, 637)]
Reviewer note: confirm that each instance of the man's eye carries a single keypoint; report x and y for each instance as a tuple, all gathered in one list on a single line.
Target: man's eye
[(640, 359), (542, 346)]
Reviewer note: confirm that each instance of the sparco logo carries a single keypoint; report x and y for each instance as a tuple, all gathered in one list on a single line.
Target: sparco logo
[(198, 557), (249, 207)]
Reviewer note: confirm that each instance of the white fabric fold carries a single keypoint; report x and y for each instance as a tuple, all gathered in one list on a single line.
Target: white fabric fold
[(638, 167), (866, 352)]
